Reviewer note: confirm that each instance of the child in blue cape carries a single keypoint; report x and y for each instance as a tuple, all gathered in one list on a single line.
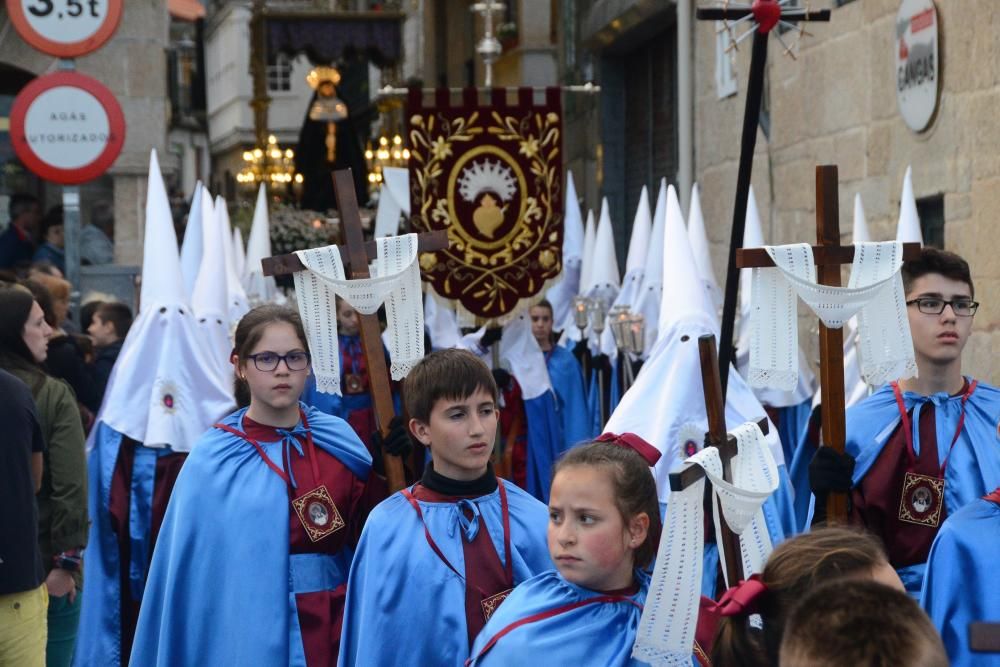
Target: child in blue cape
[(251, 562), (436, 559), (604, 528)]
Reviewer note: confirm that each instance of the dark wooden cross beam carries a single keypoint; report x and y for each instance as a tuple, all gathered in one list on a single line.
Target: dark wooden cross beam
[(984, 637), (766, 14), (828, 255), (715, 408), (356, 254)]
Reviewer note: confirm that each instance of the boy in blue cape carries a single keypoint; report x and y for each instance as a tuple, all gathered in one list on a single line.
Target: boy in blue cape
[(924, 447), (958, 587), (436, 559)]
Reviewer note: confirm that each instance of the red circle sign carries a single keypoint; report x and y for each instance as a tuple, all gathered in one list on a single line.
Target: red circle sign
[(67, 127), (65, 28)]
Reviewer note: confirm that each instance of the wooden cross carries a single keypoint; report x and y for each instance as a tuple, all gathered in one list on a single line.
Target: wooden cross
[(357, 254), (715, 409), (829, 255), (984, 637), (766, 14)]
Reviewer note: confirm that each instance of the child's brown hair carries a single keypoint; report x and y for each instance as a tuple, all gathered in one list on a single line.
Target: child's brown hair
[(633, 484), (249, 332), (445, 374), (860, 623), (795, 567)]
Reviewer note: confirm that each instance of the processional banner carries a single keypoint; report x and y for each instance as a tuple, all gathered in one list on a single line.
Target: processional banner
[(488, 169)]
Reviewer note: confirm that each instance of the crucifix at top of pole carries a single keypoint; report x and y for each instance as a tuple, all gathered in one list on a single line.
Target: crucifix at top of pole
[(489, 47), (761, 17)]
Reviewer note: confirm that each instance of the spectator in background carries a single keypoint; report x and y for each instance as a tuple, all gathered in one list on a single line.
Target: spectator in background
[(23, 598), (59, 290), (108, 329), (53, 240), (97, 239), (17, 243), (62, 499), (91, 302)]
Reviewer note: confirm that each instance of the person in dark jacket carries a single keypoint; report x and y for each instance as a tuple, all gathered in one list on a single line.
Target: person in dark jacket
[(17, 243), (108, 329)]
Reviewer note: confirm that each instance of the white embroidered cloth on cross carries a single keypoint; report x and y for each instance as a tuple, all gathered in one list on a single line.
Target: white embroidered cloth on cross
[(670, 616), (874, 293), (395, 281)]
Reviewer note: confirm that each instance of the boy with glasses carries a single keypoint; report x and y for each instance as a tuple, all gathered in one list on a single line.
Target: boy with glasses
[(920, 449)]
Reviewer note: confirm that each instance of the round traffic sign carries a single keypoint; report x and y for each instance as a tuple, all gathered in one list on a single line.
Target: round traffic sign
[(67, 127), (65, 28)]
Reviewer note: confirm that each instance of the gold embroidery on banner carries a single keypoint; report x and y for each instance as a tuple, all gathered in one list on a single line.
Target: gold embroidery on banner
[(318, 513), (491, 603), (921, 500)]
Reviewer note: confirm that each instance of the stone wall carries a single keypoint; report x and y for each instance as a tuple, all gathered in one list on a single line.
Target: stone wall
[(836, 104)]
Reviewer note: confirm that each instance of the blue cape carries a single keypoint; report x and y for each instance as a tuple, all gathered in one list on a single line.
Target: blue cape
[(593, 391), (567, 381), (219, 590), (545, 442), (595, 634), (404, 606), (974, 463), (960, 584)]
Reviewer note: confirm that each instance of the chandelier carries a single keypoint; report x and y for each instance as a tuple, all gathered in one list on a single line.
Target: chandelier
[(390, 153), (268, 164)]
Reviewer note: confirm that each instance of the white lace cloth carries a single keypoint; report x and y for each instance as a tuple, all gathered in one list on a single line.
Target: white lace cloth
[(395, 281), (667, 627), (874, 293)]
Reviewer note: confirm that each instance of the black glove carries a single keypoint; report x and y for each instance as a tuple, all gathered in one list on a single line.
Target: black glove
[(502, 378), (397, 442), (830, 472), (491, 336)]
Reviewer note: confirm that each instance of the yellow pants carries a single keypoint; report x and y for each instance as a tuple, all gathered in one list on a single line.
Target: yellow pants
[(24, 628)]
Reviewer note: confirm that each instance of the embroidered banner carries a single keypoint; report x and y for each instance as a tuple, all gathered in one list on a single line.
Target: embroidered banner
[(491, 174)]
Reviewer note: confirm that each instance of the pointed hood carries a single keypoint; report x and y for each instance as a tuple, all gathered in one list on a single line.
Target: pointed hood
[(239, 254), (684, 297), (700, 247), (638, 248), (191, 248), (908, 227), (561, 294), (237, 297), (163, 390), (260, 288), (211, 296), (651, 291), (605, 280), (393, 200), (753, 237), (440, 322), (587, 258)]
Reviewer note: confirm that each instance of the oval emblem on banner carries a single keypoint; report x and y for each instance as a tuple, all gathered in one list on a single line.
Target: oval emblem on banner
[(65, 28), (917, 64), (67, 127)]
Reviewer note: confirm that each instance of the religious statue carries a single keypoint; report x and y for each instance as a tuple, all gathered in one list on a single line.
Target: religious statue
[(328, 141)]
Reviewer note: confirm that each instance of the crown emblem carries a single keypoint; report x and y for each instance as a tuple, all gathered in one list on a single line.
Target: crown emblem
[(486, 175)]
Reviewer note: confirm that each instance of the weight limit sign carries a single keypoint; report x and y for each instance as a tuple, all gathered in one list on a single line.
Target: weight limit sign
[(65, 28)]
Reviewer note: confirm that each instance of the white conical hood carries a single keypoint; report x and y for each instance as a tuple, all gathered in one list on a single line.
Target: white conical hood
[(684, 296), (908, 227), (860, 233), (642, 227), (260, 288), (237, 297), (605, 280), (651, 291), (562, 293), (163, 390), (665, 405), (702, 252), (239, 254), (191, 248), (587, 260), (440, 322), (211, 296), (753, 237), (393, 200)]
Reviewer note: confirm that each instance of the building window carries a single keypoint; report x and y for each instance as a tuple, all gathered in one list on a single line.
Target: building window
[(279, 74), (930, 210), (725, 77)]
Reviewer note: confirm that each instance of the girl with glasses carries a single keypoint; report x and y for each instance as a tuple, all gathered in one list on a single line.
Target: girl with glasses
[(257, 541)]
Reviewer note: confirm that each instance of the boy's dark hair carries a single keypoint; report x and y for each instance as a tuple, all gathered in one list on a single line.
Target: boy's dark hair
[(52, 218), (118, 314), (445, 375), (19, 203), (87, 312), (249, 332), (943, 262), (860, 622), (633, 484), (794, 568)]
